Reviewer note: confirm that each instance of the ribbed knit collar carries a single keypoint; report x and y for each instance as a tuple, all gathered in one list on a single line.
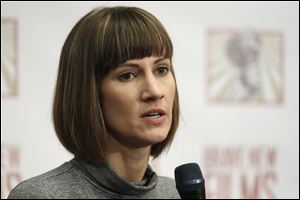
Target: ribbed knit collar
[(108, 179)]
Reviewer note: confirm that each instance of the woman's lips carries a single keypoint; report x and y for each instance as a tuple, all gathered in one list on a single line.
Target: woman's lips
[(154, 120), (154, 116)]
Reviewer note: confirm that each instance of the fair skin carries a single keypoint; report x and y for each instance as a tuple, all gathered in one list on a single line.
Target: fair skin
[(137, 105)]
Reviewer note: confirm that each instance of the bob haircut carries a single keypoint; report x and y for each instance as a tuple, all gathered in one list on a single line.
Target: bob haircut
[(98, 43)]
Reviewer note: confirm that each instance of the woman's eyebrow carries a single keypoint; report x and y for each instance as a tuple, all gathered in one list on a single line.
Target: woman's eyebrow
[(128, 64), (160, 59), (137, 65)]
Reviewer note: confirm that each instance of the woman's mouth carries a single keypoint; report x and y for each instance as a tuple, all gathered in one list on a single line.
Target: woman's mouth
[(154, 116)]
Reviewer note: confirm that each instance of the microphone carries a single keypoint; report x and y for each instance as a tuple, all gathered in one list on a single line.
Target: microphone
[(190, 181)]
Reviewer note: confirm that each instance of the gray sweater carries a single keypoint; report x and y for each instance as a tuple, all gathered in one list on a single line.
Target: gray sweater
[(80, 180)]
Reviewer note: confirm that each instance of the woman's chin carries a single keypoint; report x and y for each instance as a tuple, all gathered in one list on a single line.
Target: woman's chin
[(156, 136)]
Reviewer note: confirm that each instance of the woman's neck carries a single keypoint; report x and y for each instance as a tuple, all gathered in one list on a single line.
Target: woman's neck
[(128, 163)]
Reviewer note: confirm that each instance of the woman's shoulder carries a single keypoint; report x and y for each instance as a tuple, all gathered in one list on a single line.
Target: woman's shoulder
[(45, 185)]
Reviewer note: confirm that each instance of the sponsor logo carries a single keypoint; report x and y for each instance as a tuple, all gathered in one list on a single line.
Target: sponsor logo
[(245, 66)]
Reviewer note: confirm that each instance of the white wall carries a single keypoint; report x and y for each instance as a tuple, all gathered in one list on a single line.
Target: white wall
[(248, 149)]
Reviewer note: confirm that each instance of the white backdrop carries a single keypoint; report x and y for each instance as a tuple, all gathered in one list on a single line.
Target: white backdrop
[(245, 149)]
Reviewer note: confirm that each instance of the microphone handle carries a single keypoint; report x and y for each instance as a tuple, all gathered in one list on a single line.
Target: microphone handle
[(193, 194)]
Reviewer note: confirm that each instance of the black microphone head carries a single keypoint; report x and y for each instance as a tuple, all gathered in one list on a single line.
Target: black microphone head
[(190, 181)]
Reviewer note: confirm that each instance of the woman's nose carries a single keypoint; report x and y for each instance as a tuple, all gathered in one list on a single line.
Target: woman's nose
[(151, 90)]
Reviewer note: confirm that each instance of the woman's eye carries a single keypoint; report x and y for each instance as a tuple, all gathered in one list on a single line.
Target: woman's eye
[(126, 76), (161, 71)]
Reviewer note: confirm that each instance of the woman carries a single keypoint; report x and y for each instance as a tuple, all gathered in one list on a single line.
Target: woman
[(115, 105)]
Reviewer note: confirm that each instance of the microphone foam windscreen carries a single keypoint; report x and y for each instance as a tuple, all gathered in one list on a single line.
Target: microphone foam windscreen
[(188, 176)]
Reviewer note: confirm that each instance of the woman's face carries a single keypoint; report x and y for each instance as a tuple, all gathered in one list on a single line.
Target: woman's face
[(137, 101)]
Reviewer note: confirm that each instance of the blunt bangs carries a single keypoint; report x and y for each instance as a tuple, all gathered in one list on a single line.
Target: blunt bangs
[(131, 35)]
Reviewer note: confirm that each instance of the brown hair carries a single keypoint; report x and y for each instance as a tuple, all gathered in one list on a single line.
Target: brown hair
[(102, 39)]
